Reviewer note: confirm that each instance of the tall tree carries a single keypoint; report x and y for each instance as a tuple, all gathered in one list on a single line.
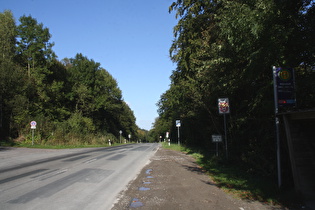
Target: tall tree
[(34, 53), (34, 48), (12, 99), (8, 36)]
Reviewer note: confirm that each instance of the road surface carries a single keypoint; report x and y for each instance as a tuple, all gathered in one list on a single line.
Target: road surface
[(89, 178)]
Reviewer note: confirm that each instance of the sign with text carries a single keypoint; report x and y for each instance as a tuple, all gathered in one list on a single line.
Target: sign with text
[(216, 138), (285, 86), (178, 123)]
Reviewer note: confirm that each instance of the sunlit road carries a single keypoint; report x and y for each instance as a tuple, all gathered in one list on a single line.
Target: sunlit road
[(68, 179)]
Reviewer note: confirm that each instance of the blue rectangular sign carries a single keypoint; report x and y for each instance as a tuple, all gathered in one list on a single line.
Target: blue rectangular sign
[(285, 87)]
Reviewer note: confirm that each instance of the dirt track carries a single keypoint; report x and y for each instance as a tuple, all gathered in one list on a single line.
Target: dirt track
[(174, 181)]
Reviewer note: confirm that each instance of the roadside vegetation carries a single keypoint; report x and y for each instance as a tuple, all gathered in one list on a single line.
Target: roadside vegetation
[(226, 49), (75, 101)]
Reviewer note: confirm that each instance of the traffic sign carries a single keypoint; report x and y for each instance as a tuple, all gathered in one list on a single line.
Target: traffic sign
[(224, 106), (33, 124), (284, 87), (216, 138), (178, 123)]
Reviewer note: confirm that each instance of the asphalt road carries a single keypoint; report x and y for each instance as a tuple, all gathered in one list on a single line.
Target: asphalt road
[(89, 178)]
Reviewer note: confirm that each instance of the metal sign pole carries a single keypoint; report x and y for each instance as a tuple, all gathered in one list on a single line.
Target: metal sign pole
[(216, 139), (178, 125), (33, 127), (33, 137), (178, 135), (225, 136), (120, 132), (277, 125), (224, 108), (278, 153)]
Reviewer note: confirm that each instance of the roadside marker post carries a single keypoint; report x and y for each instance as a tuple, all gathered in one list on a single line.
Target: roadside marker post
[(224, 108), (284, 99), (216, 139), (168, 139), (120, 132), (178, 125), (33, 127)]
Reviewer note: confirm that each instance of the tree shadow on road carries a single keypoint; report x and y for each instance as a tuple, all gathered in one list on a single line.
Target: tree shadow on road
[(2, 149), (200, 171)]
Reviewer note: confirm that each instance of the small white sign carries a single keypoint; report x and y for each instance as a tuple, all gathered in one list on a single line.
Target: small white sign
[(178, 123), (216, 138)]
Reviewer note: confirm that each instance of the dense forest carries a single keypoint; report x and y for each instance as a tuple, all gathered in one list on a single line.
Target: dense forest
[(73, 100), (226, 49)]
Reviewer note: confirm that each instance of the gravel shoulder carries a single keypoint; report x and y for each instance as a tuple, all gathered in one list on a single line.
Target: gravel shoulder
[(172, 180)]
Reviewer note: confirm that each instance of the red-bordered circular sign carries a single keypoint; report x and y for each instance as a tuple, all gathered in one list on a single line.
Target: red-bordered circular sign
[(223, 105)]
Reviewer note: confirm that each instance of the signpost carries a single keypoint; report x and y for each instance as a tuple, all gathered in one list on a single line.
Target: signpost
[(284, 97), (216, 139), (178, 125), (120, 132), (167, 138), (33, 127), (224, 108)]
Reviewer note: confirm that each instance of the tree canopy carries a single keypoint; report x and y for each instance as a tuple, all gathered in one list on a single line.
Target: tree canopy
[(74, 100), (227, 49)]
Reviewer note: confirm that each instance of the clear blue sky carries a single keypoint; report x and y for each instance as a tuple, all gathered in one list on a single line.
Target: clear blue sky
[(129, 38)]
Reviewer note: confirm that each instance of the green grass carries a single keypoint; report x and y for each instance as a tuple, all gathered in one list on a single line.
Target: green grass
[(175, 147), (233, 179), (241, 184)]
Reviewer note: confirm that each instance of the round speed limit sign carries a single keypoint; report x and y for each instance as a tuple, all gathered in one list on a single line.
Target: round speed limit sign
[(33, 124)]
